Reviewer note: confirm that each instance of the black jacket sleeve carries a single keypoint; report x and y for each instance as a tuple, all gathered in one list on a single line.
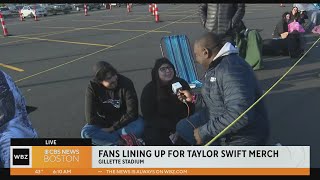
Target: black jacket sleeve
[(239, 14), (131, 100), (91, 108), (203, 13)]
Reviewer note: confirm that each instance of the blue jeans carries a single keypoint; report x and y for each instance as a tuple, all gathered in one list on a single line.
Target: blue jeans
[(101, 137), (185, 129)]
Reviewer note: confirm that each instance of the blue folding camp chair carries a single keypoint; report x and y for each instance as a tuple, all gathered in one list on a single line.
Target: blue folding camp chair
[(177, 50)]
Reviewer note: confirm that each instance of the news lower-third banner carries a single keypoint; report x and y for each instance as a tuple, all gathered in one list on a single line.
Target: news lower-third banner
[(51, 158)]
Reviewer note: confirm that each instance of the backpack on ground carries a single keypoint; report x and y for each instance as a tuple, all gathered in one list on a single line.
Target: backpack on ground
[(294, 44), (249, 43)]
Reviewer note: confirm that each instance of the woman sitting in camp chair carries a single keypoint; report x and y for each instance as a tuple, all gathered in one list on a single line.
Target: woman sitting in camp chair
[(161, 108)]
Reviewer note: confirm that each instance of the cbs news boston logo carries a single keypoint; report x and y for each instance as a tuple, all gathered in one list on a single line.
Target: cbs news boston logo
[(20, 157)]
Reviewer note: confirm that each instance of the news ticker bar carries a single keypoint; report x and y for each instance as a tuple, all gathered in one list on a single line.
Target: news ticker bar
[(55, 158), (159, 171)]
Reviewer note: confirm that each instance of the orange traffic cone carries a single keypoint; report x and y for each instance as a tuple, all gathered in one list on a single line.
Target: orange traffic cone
[(4, 28), (85, 10), (156, 15), (20, 14)]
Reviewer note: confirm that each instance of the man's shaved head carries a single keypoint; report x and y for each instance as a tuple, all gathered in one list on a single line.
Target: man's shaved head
[(206, 48), (209, 41)]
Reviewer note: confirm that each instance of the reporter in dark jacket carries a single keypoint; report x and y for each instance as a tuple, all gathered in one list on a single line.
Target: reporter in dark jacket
[(161, 108), (222, 19), (230, 88), (111, 107)]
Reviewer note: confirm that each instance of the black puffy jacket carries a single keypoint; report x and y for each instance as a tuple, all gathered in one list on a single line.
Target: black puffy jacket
[(230, 87), (221, 18)]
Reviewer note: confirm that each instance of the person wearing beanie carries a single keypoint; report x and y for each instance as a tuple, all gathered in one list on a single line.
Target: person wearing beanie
[(111, 107), (160, 107)]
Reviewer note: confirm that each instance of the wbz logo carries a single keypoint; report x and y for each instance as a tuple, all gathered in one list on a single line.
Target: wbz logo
[(20, 156)]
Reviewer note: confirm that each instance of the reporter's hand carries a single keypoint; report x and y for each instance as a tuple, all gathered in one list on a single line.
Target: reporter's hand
[(197, 136), (185, 95)]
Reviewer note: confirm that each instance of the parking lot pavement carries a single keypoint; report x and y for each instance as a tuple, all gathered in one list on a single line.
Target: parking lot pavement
[(57, 53)]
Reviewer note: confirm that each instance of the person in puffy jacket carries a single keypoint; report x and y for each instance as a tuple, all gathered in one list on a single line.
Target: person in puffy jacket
[(222, 19), (230, 88), (14, 121)]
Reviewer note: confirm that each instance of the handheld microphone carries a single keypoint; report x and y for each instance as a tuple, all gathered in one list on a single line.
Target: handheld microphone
[(176, 87)]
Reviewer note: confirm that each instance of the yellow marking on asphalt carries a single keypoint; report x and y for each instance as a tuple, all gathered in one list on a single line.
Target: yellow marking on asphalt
[(89, 20), (11, 67), (96, 52), (56, 27), (173, 15), (186, 22), (68, 42), (76, 29), (133, 30), (103, 29), (191, 22), (179, 12), (34, 34), (175, 7)]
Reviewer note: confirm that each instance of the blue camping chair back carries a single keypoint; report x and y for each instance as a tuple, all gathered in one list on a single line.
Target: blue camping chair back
[(177, 49)]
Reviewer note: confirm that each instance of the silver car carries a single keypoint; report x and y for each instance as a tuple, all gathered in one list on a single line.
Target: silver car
[(28, 11), (5, 11)]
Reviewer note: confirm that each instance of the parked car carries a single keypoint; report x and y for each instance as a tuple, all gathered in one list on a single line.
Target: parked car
[(5, 11), (90, 6), (13, 9), (59, 8), (19, 7), (28, 11)]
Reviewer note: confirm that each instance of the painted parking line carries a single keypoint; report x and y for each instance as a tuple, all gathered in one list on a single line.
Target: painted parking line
[(96, 52), (135, 22), (61, 41), (177, 15), (76, 29), (61, 32), (11, 67), (104, 29), (35, 34)]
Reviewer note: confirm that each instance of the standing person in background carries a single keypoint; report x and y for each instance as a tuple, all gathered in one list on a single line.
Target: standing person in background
[(14, 121), (160, 107), (223, 19), (111, 107)]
